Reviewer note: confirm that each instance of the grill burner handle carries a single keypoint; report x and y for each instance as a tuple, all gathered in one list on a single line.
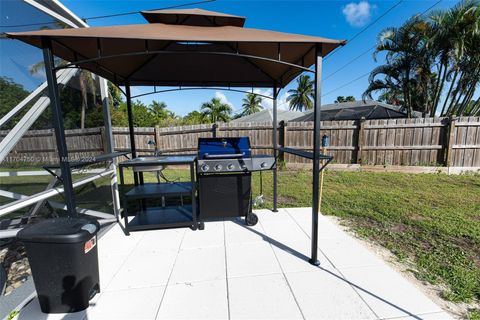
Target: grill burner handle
[(222, 156)]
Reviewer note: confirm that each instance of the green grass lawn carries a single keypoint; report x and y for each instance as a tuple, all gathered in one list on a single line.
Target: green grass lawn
[(431, 222)]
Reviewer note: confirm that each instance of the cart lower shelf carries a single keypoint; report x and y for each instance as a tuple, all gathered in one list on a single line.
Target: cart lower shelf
[(162, 217)]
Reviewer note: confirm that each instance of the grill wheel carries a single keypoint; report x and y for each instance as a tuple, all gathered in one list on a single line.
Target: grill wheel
[(251, 219)]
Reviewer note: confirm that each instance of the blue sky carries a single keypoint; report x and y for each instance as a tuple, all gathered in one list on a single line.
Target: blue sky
[(331, 19)]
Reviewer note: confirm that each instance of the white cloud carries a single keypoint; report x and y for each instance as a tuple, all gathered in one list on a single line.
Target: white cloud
[(40, 74), (268, 103), (223, 98), (358, 14)]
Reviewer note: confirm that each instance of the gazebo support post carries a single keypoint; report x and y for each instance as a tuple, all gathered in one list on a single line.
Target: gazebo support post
[(316, 154), (275, 146), (57, 120), (107, 123), (131, 129)]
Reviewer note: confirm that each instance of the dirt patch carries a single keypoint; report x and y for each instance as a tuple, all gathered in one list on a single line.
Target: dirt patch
[(16, 266), (398, 228), (286, 200)]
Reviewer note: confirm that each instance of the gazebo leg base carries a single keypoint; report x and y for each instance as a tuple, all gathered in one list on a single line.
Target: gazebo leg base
[(274, 210), (315, 262)]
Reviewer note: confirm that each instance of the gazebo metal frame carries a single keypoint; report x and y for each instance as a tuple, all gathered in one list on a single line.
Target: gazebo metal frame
[(315, 155)]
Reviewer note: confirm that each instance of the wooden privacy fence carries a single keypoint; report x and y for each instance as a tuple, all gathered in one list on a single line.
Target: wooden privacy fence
[(426, 141)]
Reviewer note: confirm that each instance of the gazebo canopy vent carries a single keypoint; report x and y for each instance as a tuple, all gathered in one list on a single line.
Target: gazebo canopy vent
[(193, 17)]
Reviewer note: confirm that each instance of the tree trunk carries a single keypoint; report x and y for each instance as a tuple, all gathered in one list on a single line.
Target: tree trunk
[(83, 90), (470, 92), (476, 108), (440, 88), (434, 107), (406, 92), (455, 106), (466, 100), (449, 92)]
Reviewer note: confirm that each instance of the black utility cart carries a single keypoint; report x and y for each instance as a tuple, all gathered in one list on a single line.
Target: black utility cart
[(164, 215)]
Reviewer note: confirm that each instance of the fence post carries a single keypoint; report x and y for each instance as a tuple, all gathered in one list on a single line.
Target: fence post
[(215, 130), (282, 140), (104, 140), (450, 140), (156, 132), (361, 140)]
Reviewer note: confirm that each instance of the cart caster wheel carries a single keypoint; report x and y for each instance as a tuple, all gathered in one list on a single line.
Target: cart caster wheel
[(251, 219), (201, 226)]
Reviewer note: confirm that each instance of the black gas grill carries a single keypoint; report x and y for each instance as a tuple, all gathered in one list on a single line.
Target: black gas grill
[(224, 171)]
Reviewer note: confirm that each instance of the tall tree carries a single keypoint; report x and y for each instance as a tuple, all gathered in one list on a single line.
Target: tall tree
[(215, 110), (11, 93), (407, 72), (86, 83), (195, 117), (341, 99), (251, 104), (430, 59), (301, 98)]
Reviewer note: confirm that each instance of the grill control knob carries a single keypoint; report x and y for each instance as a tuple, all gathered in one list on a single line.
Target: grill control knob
[(263, 165), (218, 167), (230, 167), (205, 167)]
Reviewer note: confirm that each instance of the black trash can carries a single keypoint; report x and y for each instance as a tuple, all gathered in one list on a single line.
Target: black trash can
[(63, 256)]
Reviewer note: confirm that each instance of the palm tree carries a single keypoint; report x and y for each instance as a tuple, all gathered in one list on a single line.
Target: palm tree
[(466, 51), (341, 99), (428, 57), (86, 83), (407, 72), (453, 32), (195, 117), (251, 104), (160, 110), (302, 97), (215, 110), (85, 78)]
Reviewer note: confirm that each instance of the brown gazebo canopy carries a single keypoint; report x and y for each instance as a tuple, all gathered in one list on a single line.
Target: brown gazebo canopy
[(190, 47)]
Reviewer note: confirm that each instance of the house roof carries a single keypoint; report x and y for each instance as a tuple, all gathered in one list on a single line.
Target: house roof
[(266, 115), (355, 110), (185, 50)]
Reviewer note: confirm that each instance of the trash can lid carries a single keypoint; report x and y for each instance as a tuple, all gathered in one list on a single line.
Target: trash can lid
[(60, 230)]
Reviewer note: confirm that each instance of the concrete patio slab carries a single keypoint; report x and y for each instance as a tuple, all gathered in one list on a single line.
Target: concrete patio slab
[(200, 264), (262, 297), (251, 259), (231, 271), (200, 300), (392, 300), (323, 294)]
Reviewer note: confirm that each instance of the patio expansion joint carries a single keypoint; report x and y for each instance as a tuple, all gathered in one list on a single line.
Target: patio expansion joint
[(286, 280), (170, 275), (226, 268), (338, 270)]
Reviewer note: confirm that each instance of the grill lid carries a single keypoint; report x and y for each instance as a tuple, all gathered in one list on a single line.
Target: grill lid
[(231, 147)]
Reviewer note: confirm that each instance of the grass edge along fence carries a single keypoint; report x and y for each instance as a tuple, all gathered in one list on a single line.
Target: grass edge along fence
[(453, 142)]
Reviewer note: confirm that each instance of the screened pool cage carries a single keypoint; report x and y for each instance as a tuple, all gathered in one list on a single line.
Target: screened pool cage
[(176, 50)]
